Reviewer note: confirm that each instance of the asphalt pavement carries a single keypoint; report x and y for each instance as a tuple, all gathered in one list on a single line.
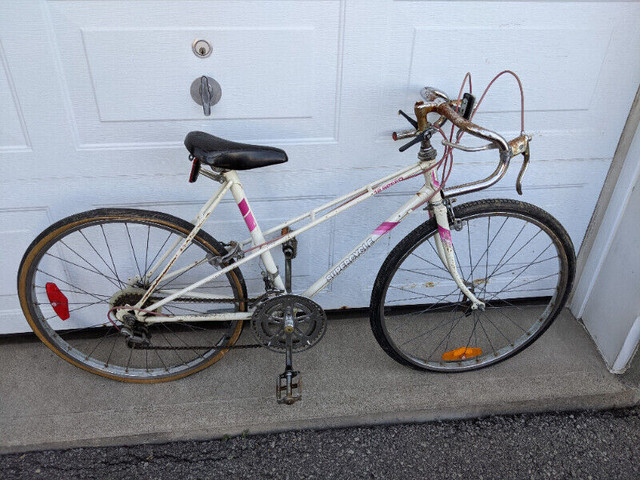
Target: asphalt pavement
[(585, 445)]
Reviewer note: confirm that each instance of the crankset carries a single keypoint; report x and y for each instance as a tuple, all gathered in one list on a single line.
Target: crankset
[(289, 323)]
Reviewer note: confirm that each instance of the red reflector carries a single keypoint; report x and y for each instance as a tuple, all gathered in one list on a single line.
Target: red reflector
[(58, 301), (195, 170)]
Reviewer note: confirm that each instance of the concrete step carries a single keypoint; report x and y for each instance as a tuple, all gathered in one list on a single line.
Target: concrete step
[(348, 380)]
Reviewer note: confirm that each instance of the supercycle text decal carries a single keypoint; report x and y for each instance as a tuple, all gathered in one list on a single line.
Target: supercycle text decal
[(350, 259)]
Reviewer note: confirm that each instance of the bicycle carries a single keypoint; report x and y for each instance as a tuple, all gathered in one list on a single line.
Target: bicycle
[(143, 296)]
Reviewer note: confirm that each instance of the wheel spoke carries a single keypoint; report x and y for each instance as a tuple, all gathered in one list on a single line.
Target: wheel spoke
[(146, 249), (489, 245), (424, 274), (447, 336), (160, 250), (424, 295), (511, 247), (518, 251), (100, 342), (113, 263), (96, 262), (74, 310), (97, 253), (93, 268), (429, 262), (493, 349), (111, 279), (532, 263), (133, 250), (67, 283)]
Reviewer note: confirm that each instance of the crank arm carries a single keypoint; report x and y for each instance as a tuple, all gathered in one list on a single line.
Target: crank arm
[(289, 382)]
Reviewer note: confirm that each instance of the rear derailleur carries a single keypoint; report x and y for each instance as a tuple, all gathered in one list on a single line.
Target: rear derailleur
[(135, 332)]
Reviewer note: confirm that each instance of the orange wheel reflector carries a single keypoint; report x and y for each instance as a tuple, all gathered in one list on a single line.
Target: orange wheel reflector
[(461, 353), (58, 301)]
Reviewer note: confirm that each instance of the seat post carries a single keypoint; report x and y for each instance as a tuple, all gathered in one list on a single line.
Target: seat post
[(254, 229)]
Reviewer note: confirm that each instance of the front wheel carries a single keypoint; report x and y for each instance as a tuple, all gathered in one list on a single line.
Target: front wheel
[(84, 266), (514, 257)]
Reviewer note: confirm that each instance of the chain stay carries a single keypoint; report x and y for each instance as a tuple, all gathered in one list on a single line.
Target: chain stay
[(204, 347), (199, 347)]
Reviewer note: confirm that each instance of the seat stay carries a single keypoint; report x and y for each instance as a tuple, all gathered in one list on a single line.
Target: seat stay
[(204, 214), (173, 246)]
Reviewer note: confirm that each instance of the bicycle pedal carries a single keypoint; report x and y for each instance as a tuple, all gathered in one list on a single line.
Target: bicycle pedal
[(289, 387)]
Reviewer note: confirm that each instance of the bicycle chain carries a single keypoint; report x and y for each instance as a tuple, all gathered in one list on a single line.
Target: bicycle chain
[(204, 347)]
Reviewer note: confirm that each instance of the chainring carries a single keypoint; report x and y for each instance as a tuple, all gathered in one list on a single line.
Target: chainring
[(268, 322)]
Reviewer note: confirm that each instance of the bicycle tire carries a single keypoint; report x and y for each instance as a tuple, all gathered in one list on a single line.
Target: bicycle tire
[(83, 265), (408, 328)]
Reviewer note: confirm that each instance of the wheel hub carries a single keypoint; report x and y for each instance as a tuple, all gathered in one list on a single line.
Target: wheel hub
[(126, 297)]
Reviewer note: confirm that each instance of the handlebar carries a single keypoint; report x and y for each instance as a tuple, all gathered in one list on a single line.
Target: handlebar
[(445, 110), (438, 102)]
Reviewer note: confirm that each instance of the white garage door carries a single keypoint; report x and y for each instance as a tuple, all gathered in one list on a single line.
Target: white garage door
[(95, 103)]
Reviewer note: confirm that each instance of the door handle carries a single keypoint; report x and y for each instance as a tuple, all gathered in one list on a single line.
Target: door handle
[(207, 92)]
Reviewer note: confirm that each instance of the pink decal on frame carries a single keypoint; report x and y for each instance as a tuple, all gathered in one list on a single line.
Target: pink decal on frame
[(445, 234), (436, 183), (384, 228), (250, 221), (244, 208)]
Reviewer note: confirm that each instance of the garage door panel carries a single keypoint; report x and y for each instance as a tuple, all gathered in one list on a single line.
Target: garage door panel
[(484, 51), (18, 227), (13, 134), (284, 70), (150, 89)]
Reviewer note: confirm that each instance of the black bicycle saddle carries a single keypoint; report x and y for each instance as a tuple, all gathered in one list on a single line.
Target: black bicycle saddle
[(228, 155)]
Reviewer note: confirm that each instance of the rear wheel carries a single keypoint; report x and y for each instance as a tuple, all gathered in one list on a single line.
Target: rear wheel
[(85, 265), (514, 257)]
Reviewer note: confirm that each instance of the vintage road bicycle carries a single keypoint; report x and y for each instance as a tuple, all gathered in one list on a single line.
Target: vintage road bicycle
[(144, 296)]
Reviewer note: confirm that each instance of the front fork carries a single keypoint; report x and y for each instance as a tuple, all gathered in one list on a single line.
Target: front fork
[(445, 248)]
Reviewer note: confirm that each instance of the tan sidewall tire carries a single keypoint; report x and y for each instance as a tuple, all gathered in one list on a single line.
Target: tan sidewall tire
[(57, 229)]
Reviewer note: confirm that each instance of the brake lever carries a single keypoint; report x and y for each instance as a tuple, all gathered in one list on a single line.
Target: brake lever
[(419, 136), (408, 119), (525, 164)]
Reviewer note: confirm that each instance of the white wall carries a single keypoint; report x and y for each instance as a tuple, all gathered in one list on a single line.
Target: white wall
[(607, 296)]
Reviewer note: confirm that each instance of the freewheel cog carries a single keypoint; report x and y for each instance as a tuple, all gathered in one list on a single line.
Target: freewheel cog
[(269, 318)]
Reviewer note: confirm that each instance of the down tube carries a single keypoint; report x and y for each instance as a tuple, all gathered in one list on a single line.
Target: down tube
[(385, 227)]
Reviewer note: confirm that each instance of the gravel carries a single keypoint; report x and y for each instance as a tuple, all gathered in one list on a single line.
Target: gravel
[(586, 445)]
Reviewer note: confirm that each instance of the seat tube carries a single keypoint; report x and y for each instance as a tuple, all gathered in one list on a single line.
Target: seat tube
[(254, 229)]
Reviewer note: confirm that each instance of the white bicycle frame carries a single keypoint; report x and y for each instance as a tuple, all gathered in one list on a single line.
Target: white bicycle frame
[(429, 193)]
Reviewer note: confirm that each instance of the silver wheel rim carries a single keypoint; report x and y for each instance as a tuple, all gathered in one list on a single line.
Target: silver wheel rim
[(97, 344), (423, 333)]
